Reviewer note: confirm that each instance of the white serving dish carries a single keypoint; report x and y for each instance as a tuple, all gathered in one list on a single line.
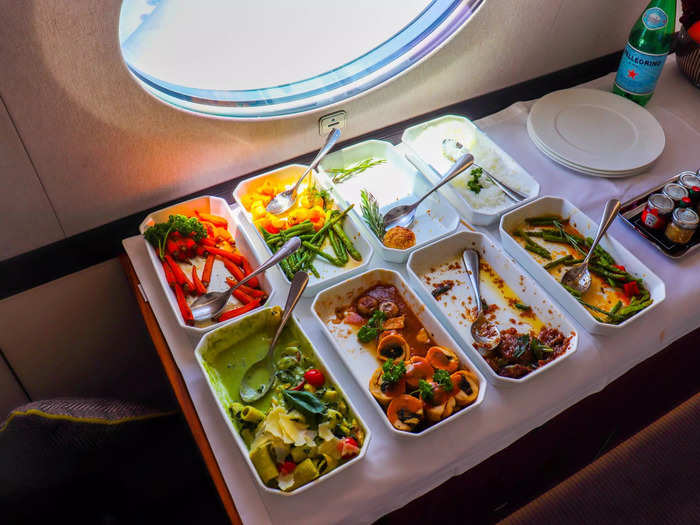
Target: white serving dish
[(329, 274), (223, 401), (363, 363), (392, 183), (588, 228), (216, 206), (432, 156), (424, 264)]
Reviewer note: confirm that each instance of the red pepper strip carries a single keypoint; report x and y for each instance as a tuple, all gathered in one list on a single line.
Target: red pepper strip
[(620, 267), (169, 276), (214, 219), (180, 277), (271, 229), (253, 292), (299, 386), (231, 256), (206, 274), (172, 248), (184, 307), (235, 270), (248, 270), (631, 288), (240, 310), (198, 286), (242, 296)]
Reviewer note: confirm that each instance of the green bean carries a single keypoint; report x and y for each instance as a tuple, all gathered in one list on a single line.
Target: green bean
[(573, 292), (557, 262), (349, 246), (524, 307), (541, 220), (539, 250), (593, 307), (629, 310), (338, 247), (615, 309), (568, 237), (313, 248), (313, 270)]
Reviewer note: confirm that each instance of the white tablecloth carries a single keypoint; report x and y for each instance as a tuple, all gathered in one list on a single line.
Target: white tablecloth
[(396, 471)]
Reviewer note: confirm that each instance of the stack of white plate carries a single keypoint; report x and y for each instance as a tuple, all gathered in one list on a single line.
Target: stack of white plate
[(595, 132)]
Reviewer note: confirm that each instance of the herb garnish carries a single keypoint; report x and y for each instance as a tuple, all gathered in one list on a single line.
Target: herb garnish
[(474, 183), (393, 372), (425, 390), (539, 349), (304, 401), (158, 234), (442, 378), (374, 325), (343, 174), (371, 215), (522, 346), (441, 289)]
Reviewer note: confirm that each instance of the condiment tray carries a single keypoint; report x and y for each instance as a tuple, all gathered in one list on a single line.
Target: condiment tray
[(441, 262), (631, 212)]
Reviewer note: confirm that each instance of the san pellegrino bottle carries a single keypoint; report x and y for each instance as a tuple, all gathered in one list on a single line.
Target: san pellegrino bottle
[(646, 50)]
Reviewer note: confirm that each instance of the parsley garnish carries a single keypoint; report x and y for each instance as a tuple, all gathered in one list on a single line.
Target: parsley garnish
[(442, 378), (393, 372), (522, 346), (425, 390), (474, 183), (371, 330)]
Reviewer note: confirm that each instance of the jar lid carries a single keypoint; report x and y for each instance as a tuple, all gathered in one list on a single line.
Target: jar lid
[(661, 202), (689, 179), (685, 218), (675, 191)]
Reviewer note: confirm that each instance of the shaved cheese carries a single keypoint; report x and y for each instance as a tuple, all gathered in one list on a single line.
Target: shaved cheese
[(324, 431), (285, 481)]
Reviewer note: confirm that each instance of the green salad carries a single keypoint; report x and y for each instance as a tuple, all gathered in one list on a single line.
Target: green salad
[(303, 427)]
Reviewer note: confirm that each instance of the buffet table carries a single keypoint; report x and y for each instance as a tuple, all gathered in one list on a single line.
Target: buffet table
[(390, 475)]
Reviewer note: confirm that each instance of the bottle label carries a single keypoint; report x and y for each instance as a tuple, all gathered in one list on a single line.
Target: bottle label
[(655, 18), (639, 72)]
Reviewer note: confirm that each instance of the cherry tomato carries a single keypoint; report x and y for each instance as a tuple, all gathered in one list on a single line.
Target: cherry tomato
[(348, 447), (287, 467), (314, 377)]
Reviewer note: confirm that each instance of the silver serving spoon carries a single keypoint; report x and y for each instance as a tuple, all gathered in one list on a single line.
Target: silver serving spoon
[(249, 390), (578, 277), (286, 199), (209, 305), (405, 214), (452, 146), (485, 333)]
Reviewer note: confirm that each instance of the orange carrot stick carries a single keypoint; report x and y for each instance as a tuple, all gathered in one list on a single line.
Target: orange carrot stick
[(242, 296), (180, 277), (206, 274), (240, 310), (214, 219), (247, 269), (235, 257), (235, 270), (253, 292), (184, 307), (198, 286)]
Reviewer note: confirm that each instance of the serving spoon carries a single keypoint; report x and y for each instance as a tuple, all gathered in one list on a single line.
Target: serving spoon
[(211, 304), (514, 194), (578, 277), (286, 199), (484, 332), (405, 214), (248, 390)]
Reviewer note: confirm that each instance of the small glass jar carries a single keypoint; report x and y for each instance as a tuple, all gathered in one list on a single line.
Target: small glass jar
[(691, 182), (682, 226), (657, 211), (675, 191)]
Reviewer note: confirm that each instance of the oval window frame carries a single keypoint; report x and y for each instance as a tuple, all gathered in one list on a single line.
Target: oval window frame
[(428, 32)]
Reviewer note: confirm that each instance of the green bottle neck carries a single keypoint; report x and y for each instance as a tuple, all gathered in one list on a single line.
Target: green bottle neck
[(656, 41)]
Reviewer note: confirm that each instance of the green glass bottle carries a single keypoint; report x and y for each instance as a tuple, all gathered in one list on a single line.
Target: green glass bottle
[(646, 50)]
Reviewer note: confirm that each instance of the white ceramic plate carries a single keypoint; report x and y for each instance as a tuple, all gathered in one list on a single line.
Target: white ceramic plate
[(588, 228), (424, 140), (553, 157), (361, 362), (442, 261), (328, 273), (393, 183), (597, 130), (223, 402), (219, 273)]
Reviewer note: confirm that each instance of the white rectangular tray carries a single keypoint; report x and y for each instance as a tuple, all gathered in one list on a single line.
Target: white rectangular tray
[(393, 183), (216, 206), (362, 363), (433, 160), (588, 228), (223, 402), (329, 274), (423, 264)]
